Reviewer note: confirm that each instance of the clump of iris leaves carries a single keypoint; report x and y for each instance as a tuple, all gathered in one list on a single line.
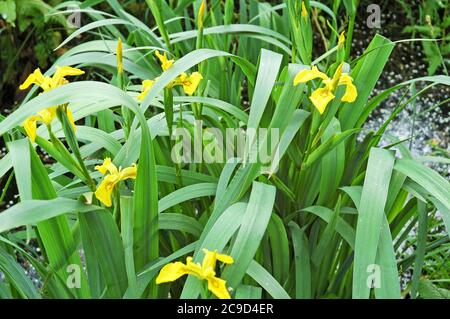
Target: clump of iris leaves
[(331, 221)]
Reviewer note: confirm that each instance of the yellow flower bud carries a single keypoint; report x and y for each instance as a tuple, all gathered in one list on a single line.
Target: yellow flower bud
[(341, 39), (304, 11), (201, 14), (119, 56)]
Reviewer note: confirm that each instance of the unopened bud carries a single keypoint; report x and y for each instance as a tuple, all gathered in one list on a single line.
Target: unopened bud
[(304, 11), (119, 56), (201, 14), (341, 40)]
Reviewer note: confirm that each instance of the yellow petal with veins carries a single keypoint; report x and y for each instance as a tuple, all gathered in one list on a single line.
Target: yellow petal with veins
[(333, 83), (146, 86), (211, 257), (191, 82), (320, 98), (218, 287), (63, 71), (171, 272), (181, 78), (226, 259), (307, 75), (165, 62), (127, 173), (30, 127), (34, 78), (105, 189), (47, 115), (107, 166), (194, 268), (350, 89)]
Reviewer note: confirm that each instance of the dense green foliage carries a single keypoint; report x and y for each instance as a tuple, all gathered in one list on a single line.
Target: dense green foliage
[(338, 210)]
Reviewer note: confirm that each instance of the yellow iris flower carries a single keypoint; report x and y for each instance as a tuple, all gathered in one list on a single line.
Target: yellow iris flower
[(188, 82), (47, 83), (322, 96), (201, 13), (205, 271), (165, 62), (113, 177)]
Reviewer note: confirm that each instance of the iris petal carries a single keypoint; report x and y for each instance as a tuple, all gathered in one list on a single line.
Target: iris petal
[(308, 75), (225, 259), (105, 189), (205, 271), (350, 89), (218, 287), (127, 173), (191, 82), (107, 166), (146, 86), (47, 115), (30, 127), (165, 62), (63, 71), (34, 78), (320, 98), (171, 272)]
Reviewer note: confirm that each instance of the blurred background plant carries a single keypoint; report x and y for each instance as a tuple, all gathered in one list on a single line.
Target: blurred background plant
[(430, 19), (27, 38)]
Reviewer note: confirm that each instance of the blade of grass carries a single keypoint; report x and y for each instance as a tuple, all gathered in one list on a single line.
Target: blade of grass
[(370, 217), (253, 227), (302, 262)]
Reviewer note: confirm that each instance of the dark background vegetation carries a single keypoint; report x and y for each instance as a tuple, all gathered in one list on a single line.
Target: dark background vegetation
[(28, 36)]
